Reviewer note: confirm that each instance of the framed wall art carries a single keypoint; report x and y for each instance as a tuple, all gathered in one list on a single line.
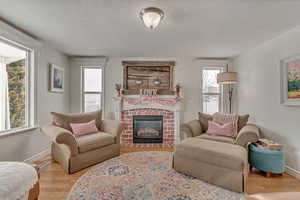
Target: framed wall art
[(56, 78), (290, 81)]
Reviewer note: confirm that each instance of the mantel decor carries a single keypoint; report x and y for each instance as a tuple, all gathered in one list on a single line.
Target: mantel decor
[(148, 75), (290, 81), (153, 99)]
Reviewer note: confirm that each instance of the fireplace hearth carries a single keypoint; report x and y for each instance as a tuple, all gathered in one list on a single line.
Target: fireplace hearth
[(147, 129)]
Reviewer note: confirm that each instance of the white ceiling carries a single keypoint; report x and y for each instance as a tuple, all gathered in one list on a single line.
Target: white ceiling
[(214, 28)]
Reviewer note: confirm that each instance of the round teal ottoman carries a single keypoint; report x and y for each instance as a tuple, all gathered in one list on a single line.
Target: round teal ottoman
[(267, 160)]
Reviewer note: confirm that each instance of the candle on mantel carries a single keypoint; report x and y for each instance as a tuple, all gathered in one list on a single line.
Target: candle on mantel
[(141, 92)]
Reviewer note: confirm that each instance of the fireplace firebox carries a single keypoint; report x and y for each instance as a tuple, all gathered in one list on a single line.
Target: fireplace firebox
[(147, 129)]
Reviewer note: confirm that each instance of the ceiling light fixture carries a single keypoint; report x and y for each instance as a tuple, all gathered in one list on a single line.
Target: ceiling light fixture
[(151, 16)]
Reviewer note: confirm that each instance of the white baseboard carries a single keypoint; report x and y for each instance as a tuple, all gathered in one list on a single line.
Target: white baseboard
[(38, 156), (292, 172)]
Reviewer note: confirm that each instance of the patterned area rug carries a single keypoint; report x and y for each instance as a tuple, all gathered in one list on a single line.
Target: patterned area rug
[(144, 176)]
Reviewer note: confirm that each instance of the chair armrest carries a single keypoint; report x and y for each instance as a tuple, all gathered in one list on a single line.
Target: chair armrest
[(113, 127), (248, 134), (61, 136), (190, 129), (185, 132), (195, 127)]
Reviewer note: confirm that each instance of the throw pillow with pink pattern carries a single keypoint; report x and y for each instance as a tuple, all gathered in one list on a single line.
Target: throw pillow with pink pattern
[(80, 129), (219, 129)]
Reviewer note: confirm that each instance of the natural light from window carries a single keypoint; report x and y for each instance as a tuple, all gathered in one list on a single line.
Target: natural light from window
[(13, 86), (211, 90), (92, 88)]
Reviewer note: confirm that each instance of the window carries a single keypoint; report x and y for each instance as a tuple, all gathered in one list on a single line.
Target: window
[(211, 90), (92, 88), (15, 67)]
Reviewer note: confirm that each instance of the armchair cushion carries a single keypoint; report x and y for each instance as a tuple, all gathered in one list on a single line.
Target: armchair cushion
[(214, 153), (222, 118), (64, 120), (94, 141), (204, 118), (80, 129), (217, 138), (226, 129)]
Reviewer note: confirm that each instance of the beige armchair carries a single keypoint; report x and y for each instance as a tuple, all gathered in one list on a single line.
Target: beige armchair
[(76, 153), (219, 160), (247, 133)]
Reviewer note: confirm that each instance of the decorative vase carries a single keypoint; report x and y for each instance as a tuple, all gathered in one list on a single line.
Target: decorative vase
[(177, 90)]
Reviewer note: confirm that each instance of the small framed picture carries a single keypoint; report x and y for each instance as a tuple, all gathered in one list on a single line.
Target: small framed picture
[(290, 81), (56, 78)]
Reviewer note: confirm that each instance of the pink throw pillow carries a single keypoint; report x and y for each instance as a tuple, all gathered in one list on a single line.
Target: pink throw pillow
[(219, 129), (80, 129)]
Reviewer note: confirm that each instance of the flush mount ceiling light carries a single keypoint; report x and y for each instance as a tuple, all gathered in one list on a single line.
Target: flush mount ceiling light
[(151, 16)]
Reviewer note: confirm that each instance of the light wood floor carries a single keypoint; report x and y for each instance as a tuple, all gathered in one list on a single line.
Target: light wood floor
[(55, 184)]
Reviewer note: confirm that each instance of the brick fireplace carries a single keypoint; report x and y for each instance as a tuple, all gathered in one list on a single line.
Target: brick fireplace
[(168, 130), (134, 106), (148, 129)]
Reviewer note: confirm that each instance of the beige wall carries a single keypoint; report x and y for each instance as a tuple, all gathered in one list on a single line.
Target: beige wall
[(259, 93), (22, 146), (187, 73)]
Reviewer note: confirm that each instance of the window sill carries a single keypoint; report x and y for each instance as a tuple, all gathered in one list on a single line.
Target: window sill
[(18, 131)]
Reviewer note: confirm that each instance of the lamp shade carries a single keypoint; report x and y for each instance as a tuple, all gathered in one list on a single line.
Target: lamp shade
[(227, 78)]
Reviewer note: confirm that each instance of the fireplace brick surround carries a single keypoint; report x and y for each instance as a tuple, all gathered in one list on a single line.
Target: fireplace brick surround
[(168, 106), (168, 127)]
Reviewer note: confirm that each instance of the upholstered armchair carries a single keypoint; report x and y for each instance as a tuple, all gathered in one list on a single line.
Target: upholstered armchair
[(75, 153), (247, 133), (219, 160)]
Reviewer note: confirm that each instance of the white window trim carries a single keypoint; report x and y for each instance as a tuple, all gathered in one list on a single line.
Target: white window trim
[(77, 62), (82, 86), (20, 39), (29, 115), (220, 94)]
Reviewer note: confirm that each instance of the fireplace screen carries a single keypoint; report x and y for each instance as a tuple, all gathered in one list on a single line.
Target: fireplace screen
[(147, 129)]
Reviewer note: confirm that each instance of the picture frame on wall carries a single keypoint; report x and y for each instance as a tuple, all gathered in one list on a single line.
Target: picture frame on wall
[(290, 81), (56, 79)]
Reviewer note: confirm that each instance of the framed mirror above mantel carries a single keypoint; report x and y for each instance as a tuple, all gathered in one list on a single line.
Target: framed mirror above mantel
[(158, 75)]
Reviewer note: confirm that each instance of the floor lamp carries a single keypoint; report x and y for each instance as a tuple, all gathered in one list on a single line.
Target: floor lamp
[(228, 78)]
